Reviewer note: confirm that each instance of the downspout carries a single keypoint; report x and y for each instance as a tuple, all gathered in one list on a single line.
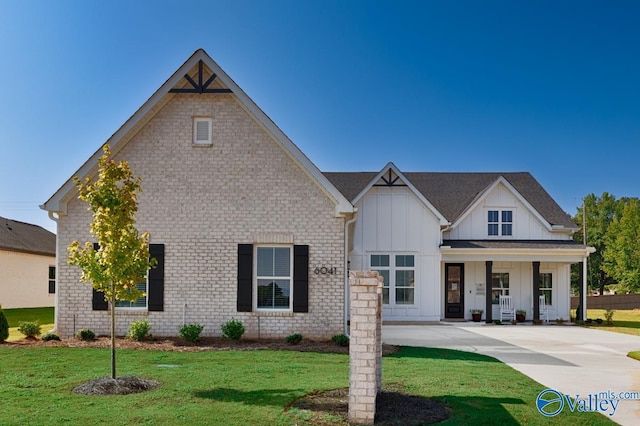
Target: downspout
[(55, 297), (346, 271)]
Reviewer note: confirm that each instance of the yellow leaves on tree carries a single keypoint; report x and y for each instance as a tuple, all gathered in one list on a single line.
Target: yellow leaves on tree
[(122, 257)]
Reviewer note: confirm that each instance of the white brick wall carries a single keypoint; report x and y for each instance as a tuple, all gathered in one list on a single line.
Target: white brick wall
[(201, 202)]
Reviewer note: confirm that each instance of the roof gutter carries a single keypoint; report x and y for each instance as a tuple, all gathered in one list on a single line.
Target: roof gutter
[(346, 270)]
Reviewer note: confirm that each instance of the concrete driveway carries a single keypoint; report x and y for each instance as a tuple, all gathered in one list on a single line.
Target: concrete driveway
[(571, 360)]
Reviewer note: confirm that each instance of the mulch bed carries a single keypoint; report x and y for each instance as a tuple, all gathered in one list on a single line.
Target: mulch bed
[(204, 344)]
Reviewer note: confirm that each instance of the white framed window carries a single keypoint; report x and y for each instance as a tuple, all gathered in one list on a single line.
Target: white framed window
[(140, 302), (499, 286), (274, 277), (398, 271), (500, 223), (380, 263), (202, 127), (546, 287)]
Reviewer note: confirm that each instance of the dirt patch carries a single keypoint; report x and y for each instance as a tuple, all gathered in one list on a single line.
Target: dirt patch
[(120, 386), (393, 407)]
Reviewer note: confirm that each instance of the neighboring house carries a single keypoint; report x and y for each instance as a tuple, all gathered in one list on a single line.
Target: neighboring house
[(27, 265), (244, 226)]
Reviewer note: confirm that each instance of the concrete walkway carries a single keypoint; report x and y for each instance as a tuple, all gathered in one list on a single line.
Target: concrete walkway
[(572, 360)]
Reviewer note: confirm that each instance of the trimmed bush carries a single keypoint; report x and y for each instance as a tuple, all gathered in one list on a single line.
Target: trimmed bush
[(191, 332), (86, 335), (294, 339), (50, 336), (340, 339), (4, 326), (30, 329), (232, 329), (139, 330)]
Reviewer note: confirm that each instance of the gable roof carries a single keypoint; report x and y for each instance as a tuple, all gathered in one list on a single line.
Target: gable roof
[(180, 81), (26, 238), (453, 193)]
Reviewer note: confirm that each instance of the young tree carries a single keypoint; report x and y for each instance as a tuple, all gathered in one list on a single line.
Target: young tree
[(122, 259), (622, 254)]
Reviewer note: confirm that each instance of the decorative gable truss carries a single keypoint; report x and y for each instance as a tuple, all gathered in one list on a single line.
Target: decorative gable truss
[(391, 176)]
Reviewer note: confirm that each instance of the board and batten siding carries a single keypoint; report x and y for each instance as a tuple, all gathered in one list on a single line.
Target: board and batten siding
[(526, 226), (392, 220)]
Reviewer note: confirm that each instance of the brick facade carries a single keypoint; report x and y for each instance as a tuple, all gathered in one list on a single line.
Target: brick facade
[(201, 202)]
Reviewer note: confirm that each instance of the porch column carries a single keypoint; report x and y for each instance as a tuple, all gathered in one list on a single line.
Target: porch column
[(536, 290), (488, 301)]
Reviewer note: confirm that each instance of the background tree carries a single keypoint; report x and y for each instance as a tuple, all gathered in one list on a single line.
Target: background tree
[(600, 213), (122, 260), (622, 252)]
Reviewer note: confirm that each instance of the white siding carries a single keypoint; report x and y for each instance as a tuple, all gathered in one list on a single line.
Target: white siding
[(393, 220), (520, 287), (526, 226)]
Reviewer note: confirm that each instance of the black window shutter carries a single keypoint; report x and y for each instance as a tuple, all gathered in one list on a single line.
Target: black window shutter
[(245, 277), (98, 302), (155, 293), (300, 278)]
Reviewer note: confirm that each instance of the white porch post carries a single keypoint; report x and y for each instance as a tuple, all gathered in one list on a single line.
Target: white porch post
[(583, 302)]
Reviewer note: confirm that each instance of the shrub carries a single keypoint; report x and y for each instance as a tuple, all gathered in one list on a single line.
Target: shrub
[(4, 327), (340, 339), (191, 332), (608, 315), (50, 336), (86, 335), (139, 330), (30, 329), (294, 339), (232, 329)]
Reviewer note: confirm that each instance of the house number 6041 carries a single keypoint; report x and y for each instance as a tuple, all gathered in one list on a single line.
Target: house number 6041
[(323, 270)]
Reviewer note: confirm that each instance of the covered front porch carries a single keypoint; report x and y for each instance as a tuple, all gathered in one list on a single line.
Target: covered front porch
[(476, 273)]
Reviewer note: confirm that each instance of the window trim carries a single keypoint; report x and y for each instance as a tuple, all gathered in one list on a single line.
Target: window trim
[(256, 277), (500, 223), (391, 288), (501, 288), (201, 142), (549, 289), (136, 308)]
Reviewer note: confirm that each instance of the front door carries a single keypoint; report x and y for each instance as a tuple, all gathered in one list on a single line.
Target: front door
[(454, 290)]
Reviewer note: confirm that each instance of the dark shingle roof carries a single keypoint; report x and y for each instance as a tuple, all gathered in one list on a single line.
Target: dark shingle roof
[(453, 193), (25, 237)]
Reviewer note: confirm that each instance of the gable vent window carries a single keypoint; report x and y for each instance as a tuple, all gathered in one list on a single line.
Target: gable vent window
[(202, 131)]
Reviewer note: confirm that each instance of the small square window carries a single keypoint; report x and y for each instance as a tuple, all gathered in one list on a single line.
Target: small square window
[(202, 131)]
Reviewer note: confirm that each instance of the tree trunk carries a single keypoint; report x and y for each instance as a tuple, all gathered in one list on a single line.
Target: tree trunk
[(113, 337)]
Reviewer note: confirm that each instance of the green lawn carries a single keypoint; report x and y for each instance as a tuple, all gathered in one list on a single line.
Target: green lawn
[(14, 316), (253, 387), (627, 321)]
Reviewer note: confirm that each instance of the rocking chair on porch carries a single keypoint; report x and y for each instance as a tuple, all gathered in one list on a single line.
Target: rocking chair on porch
[(544, 309), (506, 308)]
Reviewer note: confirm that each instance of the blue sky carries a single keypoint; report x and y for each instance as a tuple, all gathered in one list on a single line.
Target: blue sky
[(550, 87)]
